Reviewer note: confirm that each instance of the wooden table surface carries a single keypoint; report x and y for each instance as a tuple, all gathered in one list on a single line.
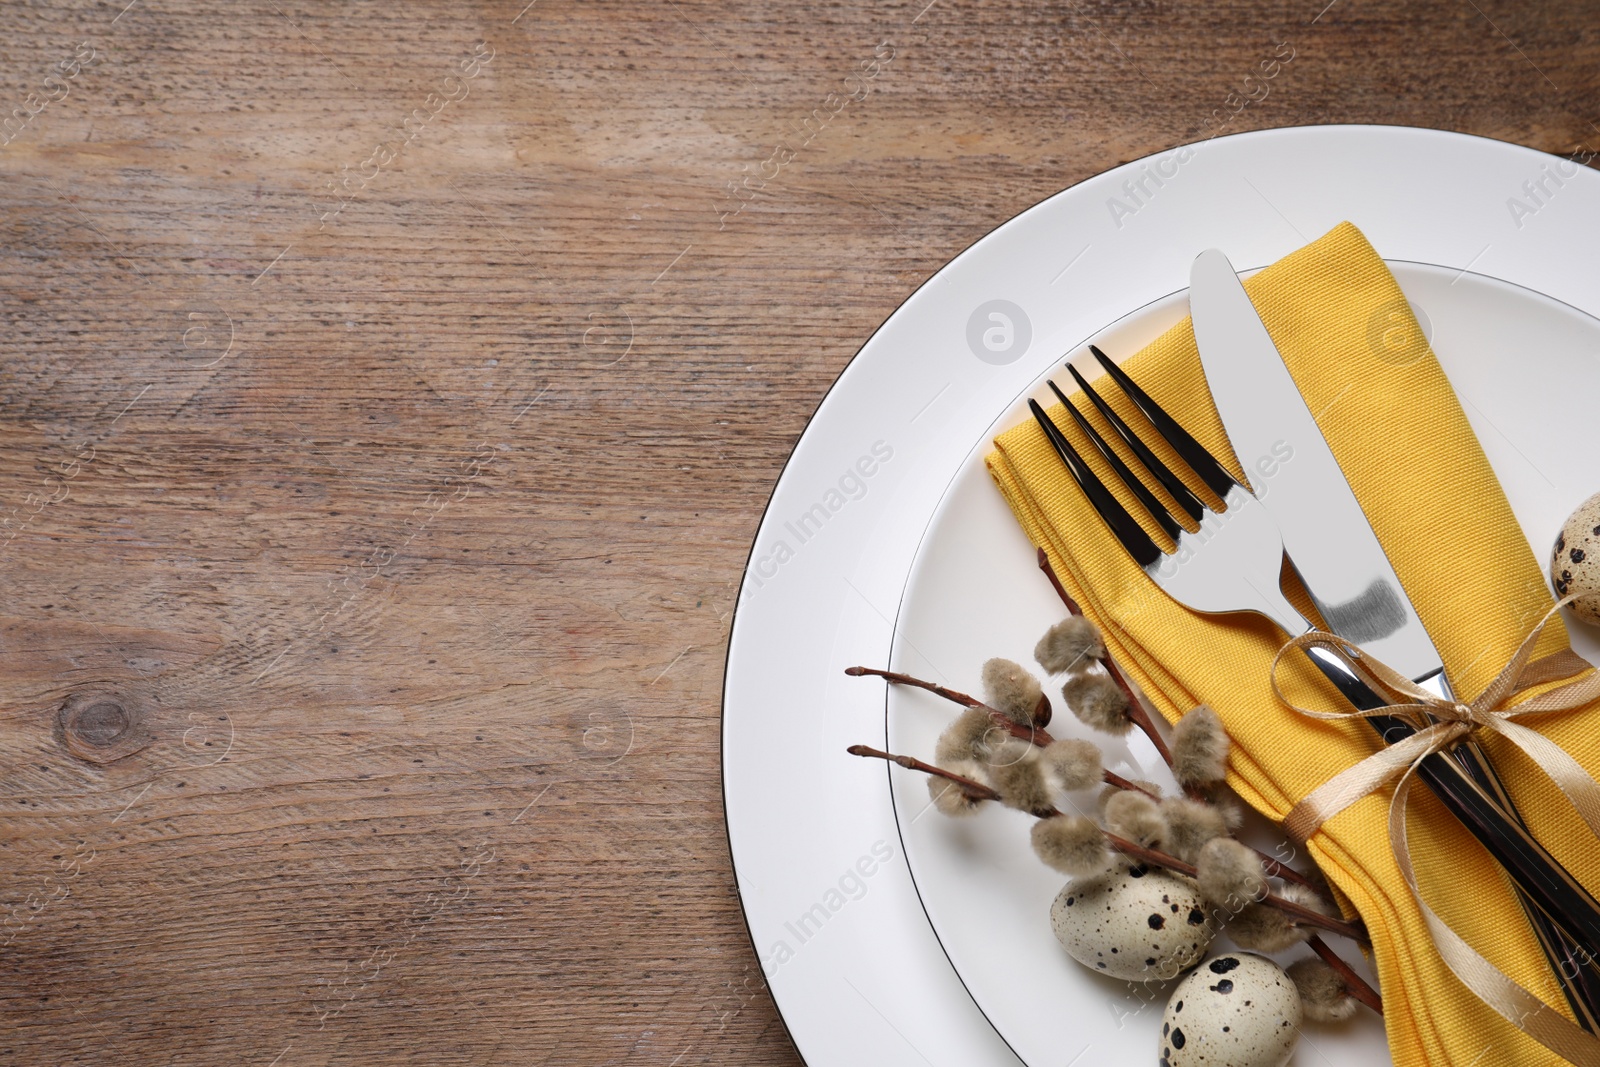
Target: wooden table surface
[(390, 396)]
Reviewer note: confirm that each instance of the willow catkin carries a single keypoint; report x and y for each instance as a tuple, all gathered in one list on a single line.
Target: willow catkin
[(1199, 748), (1022, 785), (949, 797), (1098, 703), (969, 737), (1112, 790), (1071, 844), (1309, 897), (1230, 874), (1075, 763), (1000, 749), (1011, 691), (1266, 929), (1136, 817), (1261, 928), (1071, 646), (1323, 994), (1190, 825), (1221, 798)]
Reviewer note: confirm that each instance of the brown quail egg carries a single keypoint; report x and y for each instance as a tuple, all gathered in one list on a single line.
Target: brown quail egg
[(1134, 923), (1575, 563), (1237, 1010)]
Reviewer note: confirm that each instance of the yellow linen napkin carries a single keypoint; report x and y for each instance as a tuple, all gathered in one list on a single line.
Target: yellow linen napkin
[(1398, 431)]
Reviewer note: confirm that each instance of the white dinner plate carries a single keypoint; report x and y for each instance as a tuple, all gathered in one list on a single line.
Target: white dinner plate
[(975, 591), (885, 489)]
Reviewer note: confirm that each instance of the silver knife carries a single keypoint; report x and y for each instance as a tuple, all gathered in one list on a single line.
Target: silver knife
[(1332, 545), (1294, 474)]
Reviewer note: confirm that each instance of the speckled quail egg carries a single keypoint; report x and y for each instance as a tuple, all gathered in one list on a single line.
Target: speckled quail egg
[(1575, 563), (1135, 923), (1238, 1010)]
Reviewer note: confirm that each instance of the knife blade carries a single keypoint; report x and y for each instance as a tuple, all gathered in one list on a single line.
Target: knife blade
[(1294, 473)]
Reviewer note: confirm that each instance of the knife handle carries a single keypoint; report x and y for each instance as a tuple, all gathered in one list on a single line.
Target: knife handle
[(1579, 972), (1535, 872)]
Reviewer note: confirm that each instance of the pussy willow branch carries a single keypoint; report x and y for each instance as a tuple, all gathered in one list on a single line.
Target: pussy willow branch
[(1027, 733), (1141, 719), (974, 789), (1357, 986), (1041, 737), (1036, 734), (1136, 712), (1352, 981), (1301, 915)]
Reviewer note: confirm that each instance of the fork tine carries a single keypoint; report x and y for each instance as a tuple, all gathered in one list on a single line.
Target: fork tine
[(1122, 525), (1203, 463), (1145, 497), (1152, 463)]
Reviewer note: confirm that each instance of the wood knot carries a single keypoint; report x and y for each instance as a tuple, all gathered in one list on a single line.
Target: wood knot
[(100, 727), (102, 723)]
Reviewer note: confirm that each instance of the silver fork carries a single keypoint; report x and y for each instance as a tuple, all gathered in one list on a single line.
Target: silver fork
[(1233, 563)]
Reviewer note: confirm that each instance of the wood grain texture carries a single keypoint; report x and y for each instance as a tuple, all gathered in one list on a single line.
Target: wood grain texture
[(370, 557)]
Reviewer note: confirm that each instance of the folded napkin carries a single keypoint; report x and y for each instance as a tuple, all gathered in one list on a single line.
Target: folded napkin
[(1398, 431)]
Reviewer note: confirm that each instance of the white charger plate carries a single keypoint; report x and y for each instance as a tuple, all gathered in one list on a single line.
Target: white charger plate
[(853, 962)]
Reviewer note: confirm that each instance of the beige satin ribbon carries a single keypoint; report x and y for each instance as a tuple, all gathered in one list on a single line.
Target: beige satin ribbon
[(1454, 721)]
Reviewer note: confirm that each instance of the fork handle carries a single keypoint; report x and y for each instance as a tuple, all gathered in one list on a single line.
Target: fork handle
[(1544, 881)]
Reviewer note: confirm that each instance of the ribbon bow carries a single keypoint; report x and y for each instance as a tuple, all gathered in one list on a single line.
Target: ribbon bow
[(1453, 721)]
